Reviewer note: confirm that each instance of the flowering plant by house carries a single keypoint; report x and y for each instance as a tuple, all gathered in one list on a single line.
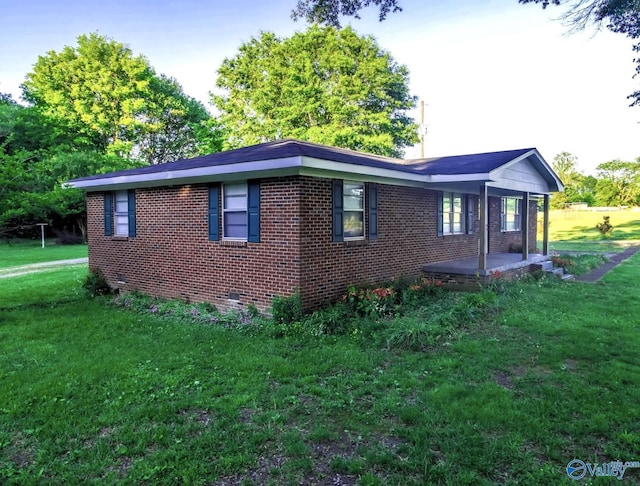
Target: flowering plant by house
[(387, 301)]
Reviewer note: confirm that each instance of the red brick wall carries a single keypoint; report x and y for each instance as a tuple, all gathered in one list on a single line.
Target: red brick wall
[(408, 239), (171, 255), (500, 242)]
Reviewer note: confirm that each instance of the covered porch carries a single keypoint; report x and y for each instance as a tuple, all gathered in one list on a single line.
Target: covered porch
[(522, 184), (465, 271)]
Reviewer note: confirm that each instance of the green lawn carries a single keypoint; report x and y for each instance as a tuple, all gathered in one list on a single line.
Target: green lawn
[(576, 230), (93, 393), (23, 252)]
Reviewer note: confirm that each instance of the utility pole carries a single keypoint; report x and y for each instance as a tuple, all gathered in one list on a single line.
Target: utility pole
[(423, 129)]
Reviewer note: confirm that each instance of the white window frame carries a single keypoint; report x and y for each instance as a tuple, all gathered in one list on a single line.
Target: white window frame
[(239, 191), (121, 213), (510, 220), (346, 212), (448, 217)]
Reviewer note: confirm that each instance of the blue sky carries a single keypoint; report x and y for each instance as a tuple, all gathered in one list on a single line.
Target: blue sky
[(494, 75)]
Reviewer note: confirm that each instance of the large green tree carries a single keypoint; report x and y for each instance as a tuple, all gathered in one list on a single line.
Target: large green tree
[(114, 102), (324, 85), (618, 183)]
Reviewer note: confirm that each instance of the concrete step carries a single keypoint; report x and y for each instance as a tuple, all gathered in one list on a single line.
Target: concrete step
[(568, 276), (547, 265)]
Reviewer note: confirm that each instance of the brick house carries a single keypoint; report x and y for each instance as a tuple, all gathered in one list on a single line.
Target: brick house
[(239, 227)]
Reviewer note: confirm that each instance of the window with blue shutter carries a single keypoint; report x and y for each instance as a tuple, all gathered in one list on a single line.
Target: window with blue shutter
[(455, 213), (240, 212), (349, 211)]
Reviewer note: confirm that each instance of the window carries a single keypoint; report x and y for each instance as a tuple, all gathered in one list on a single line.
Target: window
[(120, 213), (349, 208), (353, 203), (240, 211), (452, 213), (510, 219), (455, 213), (234, 212)]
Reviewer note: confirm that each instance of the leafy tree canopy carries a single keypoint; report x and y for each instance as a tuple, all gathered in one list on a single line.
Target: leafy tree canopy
[(328, 12), (324, 85), (618, 183), (113, 101)]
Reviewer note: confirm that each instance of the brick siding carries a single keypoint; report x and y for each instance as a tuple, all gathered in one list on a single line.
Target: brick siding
[(172, 257)]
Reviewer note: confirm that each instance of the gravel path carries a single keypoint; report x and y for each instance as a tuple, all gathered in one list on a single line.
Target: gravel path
[(38, 267)]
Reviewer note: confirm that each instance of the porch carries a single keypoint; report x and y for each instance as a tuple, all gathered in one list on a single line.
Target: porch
[(464, 272)]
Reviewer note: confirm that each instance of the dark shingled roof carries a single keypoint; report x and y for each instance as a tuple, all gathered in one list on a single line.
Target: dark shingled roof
[(467, 164), (460, 164)]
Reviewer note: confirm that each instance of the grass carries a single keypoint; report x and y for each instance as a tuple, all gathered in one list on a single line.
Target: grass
[(92, 393), (576, 230), (23, 252)]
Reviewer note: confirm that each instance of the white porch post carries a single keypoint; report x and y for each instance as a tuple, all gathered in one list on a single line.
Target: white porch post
[(525, 225), (484, 230), (545, 226)]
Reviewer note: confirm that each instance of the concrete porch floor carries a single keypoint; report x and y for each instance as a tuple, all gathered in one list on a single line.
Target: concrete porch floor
[(495, 262)]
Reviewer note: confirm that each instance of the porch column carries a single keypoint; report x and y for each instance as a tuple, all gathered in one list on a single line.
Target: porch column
[(524, 219), (545, 226), (484, 230)]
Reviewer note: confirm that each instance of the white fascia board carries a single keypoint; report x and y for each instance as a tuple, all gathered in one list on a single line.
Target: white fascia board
[(359, 172), (440, 178), (190, 176)]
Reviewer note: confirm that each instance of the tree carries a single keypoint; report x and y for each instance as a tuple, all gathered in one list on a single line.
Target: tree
[(325, 85), (618, 183), (177, 126), (619, 16), (565, 166), (113, 101), (327, 12)]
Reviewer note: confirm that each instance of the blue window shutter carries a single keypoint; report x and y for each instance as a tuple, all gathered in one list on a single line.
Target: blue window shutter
[(469, 204), (520, 214), (253, 206), (214, 213), (373, 211), (108, 214), (440, 214), (338, 216), (131, 211), (503, 214)]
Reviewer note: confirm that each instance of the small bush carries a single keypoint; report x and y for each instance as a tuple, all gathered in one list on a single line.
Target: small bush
[(336, 319), (605, 226), (95, 284), (286, 310)]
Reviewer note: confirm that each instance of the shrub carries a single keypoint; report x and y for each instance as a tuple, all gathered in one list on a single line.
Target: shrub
[(95, 284), (605, 226), (286, 310), (336, 319)]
